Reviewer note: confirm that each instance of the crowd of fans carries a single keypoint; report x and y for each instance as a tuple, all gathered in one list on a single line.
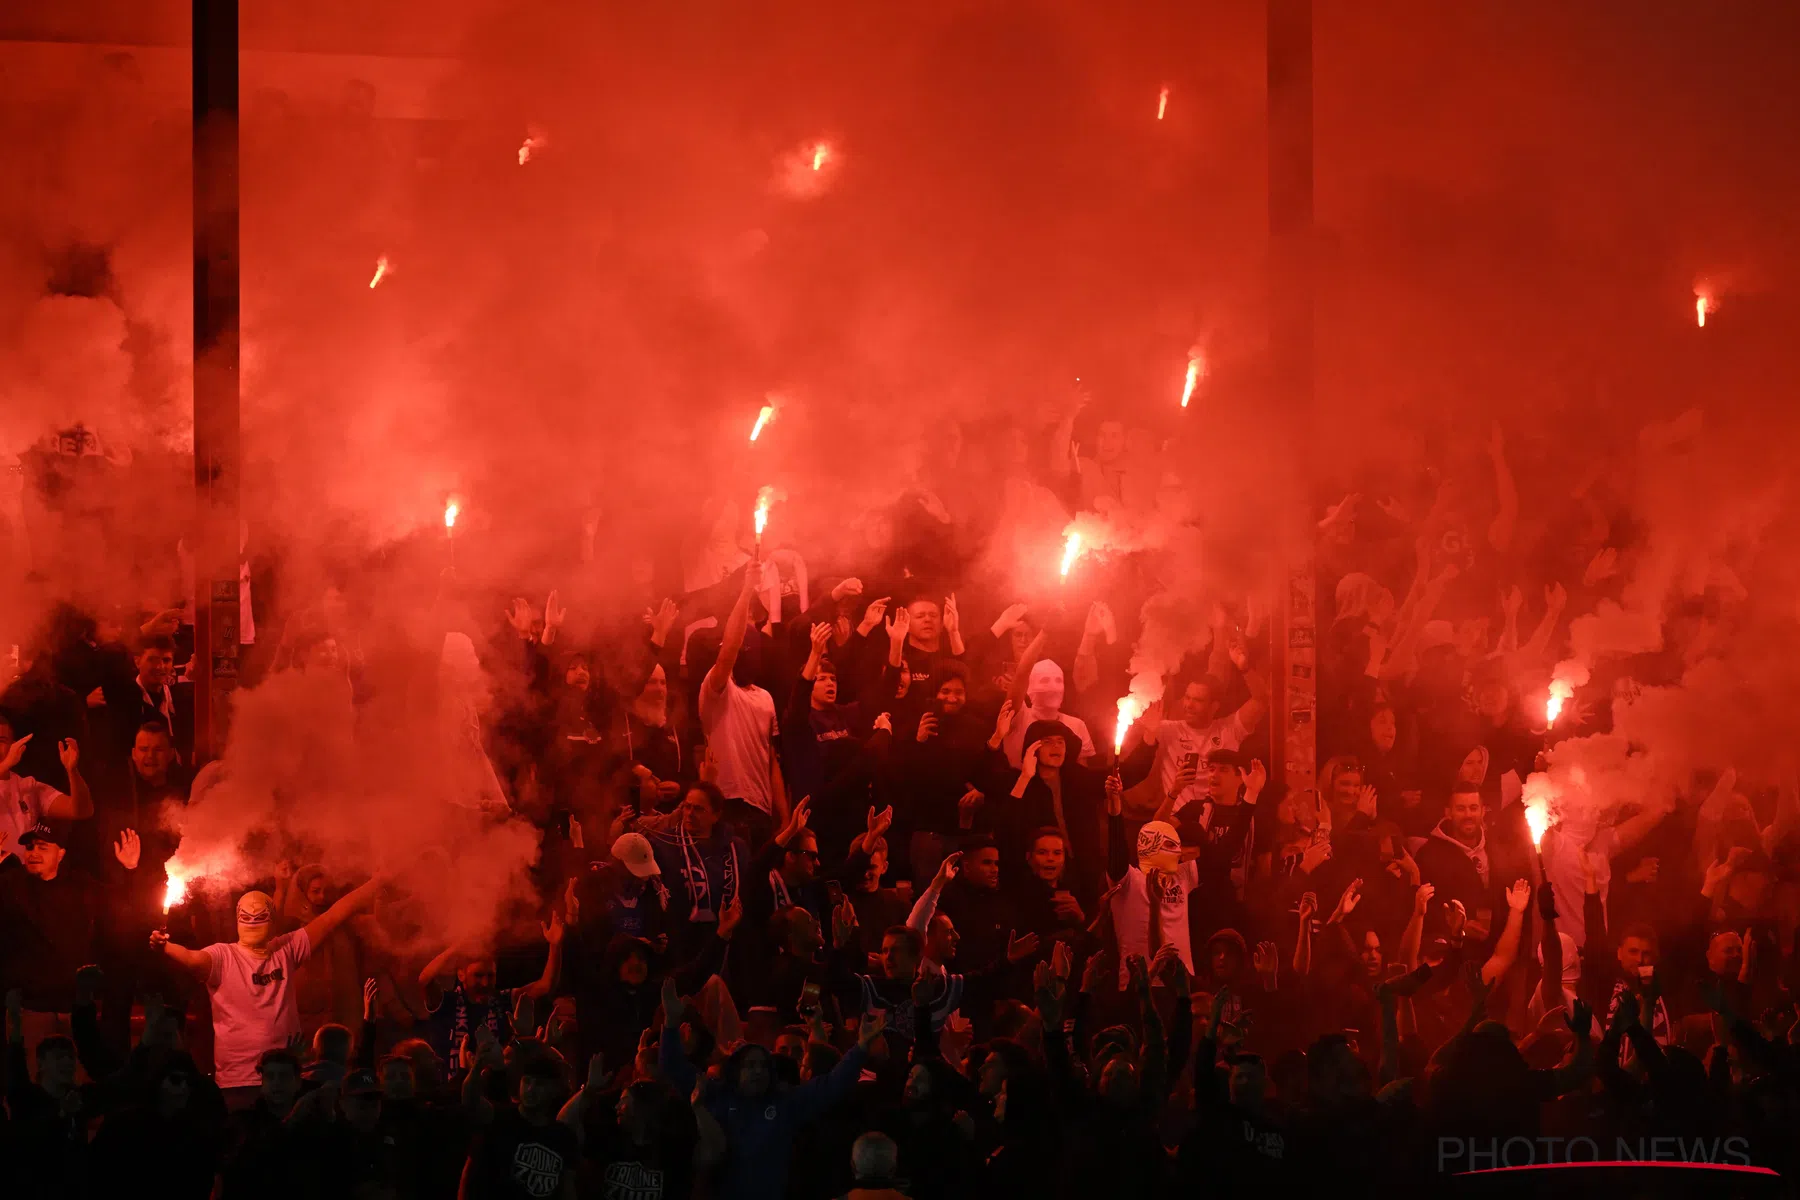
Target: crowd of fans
[(845, 890)]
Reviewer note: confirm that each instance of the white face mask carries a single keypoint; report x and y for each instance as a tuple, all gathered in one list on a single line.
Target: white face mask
[(1044, 688)]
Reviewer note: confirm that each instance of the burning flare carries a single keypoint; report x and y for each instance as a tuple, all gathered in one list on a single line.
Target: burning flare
[(175, 891), (1071, 551), (1703, 304), (1162, 104), (820, 153), (1560, 694), (764, 498), (1130, 709), (1196, 368), (525, 150), (762, 419), (381, 268), (1537, 819), (451, 511)]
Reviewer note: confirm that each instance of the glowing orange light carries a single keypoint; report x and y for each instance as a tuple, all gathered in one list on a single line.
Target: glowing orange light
[(820, 153), (764, 498), (1702, 305), (1194, 370), (1162, 104), (762, 419), (381, 268), (1071, 550), (451, 511), (526, 148), (1130, 708), (175, 891), (1560, 694), (1537, 819)]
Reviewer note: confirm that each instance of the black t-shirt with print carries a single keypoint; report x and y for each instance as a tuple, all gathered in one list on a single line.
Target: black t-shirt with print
[(617, 1168), (517, 1160)]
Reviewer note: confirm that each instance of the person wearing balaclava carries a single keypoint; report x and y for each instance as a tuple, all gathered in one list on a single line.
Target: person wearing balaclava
[(1150, 908), (1043, 694), (250, 983)]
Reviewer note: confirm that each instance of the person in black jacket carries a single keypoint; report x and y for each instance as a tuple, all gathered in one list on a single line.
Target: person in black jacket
[(940, 768), (1052, 789)]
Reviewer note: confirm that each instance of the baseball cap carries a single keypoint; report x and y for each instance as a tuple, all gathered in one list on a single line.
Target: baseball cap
[(1225, 757), (55, 832), (633, 849), (361, 1083)]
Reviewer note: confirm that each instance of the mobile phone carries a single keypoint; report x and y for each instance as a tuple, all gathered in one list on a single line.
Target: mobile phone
[(1190, 761), (834, 893)]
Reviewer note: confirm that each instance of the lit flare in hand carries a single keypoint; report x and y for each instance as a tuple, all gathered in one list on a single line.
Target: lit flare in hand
[(1196, 367), (1162, 104), (764, 498), (1703, 304), (1537, 819), (1071, 551), (452, 510), (1130, 709), (1560, 694), (381, 269), (175, 891), (762, 420)]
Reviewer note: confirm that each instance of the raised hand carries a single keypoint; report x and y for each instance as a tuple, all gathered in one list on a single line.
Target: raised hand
[(554, 614), (947, 869), (1004, 721), (1115, 794), (1028, 760), (821, 637), (878, 822), (1100, 623), (872, 615), (15, 753), (1267, 960), (843, 924), (1062, 960), (371, 998), (898, 626), (598, 1077), (872, 1025), (1010, 618), (69, 752), (883, 721), (1601, 567), (1456, 919), (952, 617), (849, 587), (1020, 948), (554, 929), (1309, 905), (1511, 600), (1556, 597), (663, 619), (928, 724), (1255, 780), (127, 849), (1365, 800), (1151, 719), (1422, 898), (1348, 901), (971, 800), (1518, 895), (672, 1007)]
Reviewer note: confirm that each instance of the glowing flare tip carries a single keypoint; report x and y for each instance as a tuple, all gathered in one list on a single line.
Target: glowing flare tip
[(763, 499), (174, 892), (1702, 305), (1560, 694), (525, 150), (762, 419), (1129, 711), (1162, 104), (451, 511), (1071, 549), (381, 269), (1193, 378), (1537, 819), (820, 153)]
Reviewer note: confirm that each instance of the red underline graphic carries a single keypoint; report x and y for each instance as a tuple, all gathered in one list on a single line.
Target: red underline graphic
[(1689, 1166)]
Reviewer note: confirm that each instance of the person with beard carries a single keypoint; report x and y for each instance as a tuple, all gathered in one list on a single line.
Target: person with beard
[(739, 720), (152, 694), (251, 983), (658, 763)]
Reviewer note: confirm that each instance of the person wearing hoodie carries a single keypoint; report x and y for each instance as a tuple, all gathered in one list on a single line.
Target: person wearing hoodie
[(1455, 859), (824, 751), (759, 1120), (1039, 696), (939, 770)]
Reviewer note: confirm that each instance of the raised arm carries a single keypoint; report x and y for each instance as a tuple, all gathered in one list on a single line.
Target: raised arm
[(79, 803), (925, 907), (1506, 951), (323, 925), (1021, 679), (1500, 532), (195, 961), (554, 931), (732, 640)]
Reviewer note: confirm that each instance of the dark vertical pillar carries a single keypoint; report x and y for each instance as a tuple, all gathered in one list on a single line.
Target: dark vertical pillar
[(216, 553), (1294, 742)]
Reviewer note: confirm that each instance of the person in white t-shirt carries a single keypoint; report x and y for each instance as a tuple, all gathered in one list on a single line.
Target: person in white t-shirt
[(26, 803), (739, 720), (251, 984), (1198, 729)]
